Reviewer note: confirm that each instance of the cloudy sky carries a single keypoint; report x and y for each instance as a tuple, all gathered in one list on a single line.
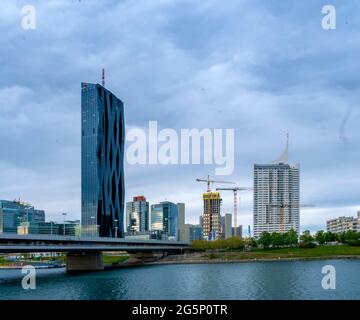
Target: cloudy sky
[(263, 68)]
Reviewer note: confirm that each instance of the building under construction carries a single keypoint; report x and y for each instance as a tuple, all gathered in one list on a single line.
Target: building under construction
[(211, 216)]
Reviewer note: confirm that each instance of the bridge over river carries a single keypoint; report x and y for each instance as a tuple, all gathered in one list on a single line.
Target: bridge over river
[(85, 254)]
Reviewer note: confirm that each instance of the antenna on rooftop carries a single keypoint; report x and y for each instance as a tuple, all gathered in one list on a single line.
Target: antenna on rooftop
[(284, 158), (103, 78)]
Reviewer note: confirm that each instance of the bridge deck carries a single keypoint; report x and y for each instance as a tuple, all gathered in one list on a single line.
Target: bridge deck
[(46, 243)]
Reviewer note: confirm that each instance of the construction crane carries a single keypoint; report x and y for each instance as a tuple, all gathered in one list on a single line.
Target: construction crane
[(210, 182), (235, 190), (283, 206)]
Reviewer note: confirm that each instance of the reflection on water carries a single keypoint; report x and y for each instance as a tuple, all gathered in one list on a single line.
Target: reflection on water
[(263, 280)]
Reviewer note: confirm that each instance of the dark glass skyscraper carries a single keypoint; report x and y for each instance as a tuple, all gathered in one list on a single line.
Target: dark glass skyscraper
[(102, 162)]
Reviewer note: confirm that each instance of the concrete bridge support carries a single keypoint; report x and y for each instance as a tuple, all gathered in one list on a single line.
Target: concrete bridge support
[(84, 261)]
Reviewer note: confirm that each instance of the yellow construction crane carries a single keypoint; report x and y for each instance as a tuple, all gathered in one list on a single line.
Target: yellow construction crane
[(210, 182), (235, 190)]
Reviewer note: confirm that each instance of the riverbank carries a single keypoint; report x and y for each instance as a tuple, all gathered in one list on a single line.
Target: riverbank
[(257, 255)]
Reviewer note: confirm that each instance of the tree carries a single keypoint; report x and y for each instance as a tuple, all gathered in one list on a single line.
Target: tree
[(320, 237), (277, 239), (306, 237), (291, 237), (351, 235), (330, 237), (252, 243), (265, 239)]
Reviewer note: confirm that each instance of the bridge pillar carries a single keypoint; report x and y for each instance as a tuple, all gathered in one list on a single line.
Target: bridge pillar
[(84, 261)]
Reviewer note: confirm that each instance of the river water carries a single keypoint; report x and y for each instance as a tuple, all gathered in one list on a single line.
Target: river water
[(259, 280)]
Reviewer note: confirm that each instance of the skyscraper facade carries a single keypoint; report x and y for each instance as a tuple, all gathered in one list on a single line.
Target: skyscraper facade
[(181, 221), (211, 215), (102, 168), (137, 215), (164, 218), (226, 226), (276, 196)]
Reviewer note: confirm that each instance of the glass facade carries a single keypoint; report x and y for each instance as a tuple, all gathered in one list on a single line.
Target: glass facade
[(102, 162), (195, 232), (164, 218), (13, 213), (69, 228), (137, 215)]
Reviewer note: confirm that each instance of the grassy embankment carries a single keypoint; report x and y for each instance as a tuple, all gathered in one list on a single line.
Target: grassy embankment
[(285, 253), (114, 259), (107, 260)]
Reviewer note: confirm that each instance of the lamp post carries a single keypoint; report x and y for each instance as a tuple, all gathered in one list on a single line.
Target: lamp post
[(116, 228), (94, 225), (64, 214)]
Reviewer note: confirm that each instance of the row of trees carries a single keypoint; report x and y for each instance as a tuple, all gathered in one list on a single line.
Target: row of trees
[(290, 238), (322, 237), (231, 243), (278, 240)]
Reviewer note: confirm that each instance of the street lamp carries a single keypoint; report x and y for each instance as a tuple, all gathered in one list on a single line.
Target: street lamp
[(116, 228), (93, 225), (64, 214)]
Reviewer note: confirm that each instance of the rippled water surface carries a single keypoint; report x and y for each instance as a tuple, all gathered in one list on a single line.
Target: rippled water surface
[(263, 280)]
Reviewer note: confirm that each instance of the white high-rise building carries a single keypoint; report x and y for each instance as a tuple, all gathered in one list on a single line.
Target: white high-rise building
[(276, 196)]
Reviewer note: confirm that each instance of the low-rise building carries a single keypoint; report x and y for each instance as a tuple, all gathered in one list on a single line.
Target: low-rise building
[(343, 224), (13, 213), (68, 228)]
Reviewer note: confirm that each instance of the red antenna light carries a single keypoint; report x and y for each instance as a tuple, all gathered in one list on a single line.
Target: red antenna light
[(103, 78)]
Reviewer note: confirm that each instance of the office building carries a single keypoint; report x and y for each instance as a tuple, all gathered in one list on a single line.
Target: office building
[(181, 221), (137, 215), (68, 228), (192, 232), (102, 157), (13, 213), (226, 226), (276, 196), (343, 224), (237, 231), (195, 232), (145, 235), (211, 215), (164, 218)]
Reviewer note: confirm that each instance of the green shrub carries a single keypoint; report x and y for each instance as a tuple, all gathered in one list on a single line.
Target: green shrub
[(353, 243), (307, 245)]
